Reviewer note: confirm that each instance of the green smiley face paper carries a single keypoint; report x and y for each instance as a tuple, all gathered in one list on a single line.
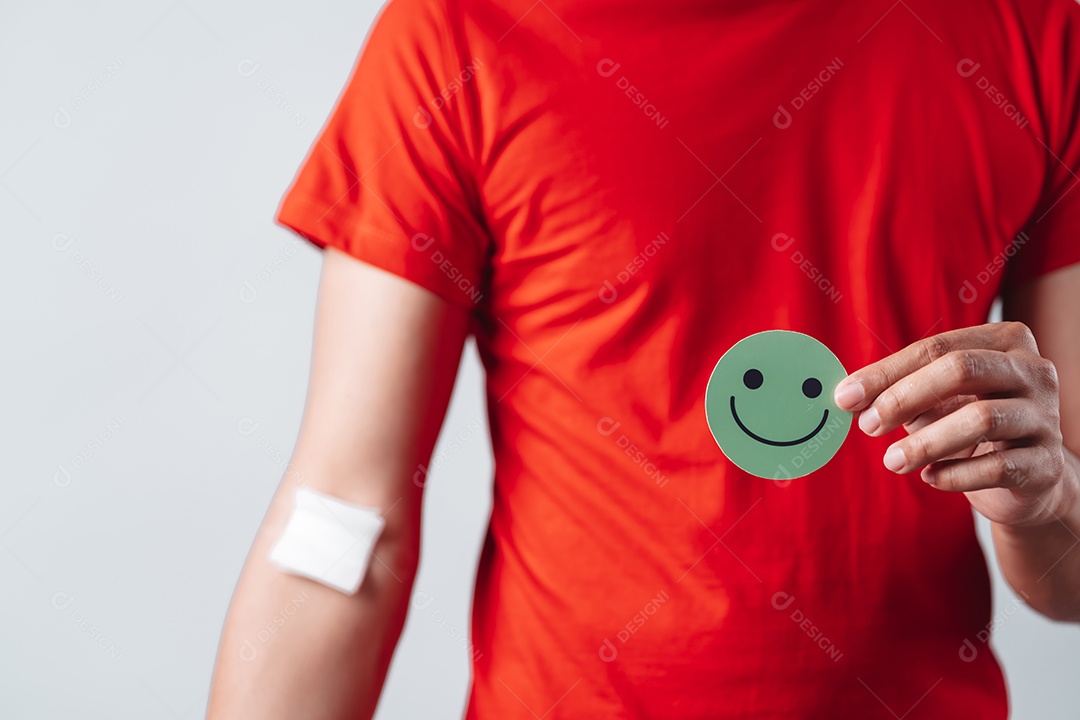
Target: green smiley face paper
[(769, 404)]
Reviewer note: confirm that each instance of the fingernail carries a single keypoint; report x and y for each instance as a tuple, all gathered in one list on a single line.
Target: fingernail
[(848, 395), (869, 421), (895, 459)]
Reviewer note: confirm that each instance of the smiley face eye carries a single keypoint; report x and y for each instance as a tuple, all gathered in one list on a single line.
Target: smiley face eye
[(811, 387), (752, 379)]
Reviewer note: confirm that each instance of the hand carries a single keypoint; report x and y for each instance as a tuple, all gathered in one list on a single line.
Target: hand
[(980, 406)]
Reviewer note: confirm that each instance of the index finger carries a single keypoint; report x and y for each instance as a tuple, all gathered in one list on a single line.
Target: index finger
[(859, 389)]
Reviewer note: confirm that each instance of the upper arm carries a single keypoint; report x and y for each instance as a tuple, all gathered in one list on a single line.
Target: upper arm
[(384, 360), (1049, 305), (395, 204)]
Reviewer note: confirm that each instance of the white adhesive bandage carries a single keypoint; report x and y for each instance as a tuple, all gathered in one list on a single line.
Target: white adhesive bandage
[(328, 540)]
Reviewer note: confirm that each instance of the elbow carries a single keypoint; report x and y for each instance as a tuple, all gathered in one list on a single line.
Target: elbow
[(398, 558), (1055, 604), (395, 557), (1065, 610)]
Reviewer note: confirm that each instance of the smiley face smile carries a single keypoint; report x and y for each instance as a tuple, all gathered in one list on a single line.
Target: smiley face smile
[(777, 443)]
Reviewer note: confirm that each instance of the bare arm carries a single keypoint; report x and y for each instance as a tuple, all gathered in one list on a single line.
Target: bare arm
[(993, 411), (385, 357), (1043, 562)]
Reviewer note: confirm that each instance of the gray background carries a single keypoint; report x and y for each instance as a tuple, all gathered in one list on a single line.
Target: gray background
[(158, 331)]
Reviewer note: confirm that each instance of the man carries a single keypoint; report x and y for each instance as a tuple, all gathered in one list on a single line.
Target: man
[(610, 195)]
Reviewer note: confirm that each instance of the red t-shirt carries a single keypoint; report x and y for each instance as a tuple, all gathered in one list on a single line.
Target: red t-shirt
[(620, 191)]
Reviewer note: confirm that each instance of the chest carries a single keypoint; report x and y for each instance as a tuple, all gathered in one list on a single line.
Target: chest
[(708, 160)]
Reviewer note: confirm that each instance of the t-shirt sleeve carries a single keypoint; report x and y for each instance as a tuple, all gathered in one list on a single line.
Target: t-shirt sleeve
[(1051, 239), (390, 179)]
